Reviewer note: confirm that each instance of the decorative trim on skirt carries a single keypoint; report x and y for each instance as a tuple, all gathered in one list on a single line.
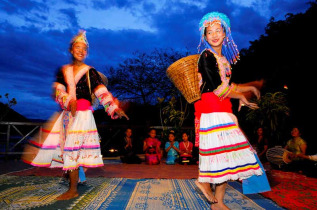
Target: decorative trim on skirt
[(224, 151), (69, 143)]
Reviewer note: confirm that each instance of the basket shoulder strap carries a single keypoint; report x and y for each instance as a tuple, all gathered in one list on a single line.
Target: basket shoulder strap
[(88, 81)]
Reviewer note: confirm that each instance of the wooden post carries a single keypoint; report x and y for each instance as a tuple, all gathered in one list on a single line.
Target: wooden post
[(8, 142)]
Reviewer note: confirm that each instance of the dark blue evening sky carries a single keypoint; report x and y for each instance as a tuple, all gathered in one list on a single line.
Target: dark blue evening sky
[(34, 36)]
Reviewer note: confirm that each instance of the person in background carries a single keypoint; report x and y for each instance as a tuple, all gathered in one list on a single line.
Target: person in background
[(151, 148), (262, 144), (186, 150), (127, 149), (172, 149), (297, 147)]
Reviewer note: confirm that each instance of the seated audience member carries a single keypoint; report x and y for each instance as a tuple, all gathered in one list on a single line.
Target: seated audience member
[(127, 150), (297, 148), (186, 150), (261, 144), (172, 149), (151, 148), (296, 145)]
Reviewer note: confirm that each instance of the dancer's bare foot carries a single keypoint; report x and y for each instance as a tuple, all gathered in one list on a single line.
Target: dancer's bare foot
[(68, 195), (207, 192), (219, 206)]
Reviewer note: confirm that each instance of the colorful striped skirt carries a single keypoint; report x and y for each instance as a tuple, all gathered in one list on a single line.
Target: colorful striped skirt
[(224, 151), (67, 142)]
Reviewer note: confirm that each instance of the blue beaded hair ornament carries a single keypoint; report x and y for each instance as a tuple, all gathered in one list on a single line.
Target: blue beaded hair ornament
[(229, 48)]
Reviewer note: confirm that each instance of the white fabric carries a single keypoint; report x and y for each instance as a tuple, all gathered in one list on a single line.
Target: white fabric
[(82, 140), (219, 139)]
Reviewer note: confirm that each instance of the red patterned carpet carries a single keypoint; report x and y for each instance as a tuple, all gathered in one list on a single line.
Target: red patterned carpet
[(292, 190), (289, 190)]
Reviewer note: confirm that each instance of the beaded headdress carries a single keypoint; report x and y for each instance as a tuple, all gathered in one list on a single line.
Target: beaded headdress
[(80, 37), (229, 48)]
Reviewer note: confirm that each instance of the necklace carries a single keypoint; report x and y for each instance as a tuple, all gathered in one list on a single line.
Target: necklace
[(186, 147)]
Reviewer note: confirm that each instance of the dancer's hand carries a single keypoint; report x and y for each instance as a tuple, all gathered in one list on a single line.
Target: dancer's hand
[(73, 107), (244, 102), (120, 113)]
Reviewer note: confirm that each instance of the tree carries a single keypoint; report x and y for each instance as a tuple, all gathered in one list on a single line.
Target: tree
[(6, 106), (143, 77), (281, 59)]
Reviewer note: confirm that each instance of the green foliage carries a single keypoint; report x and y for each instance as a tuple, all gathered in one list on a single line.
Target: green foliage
[(273, 113), (172, 113)]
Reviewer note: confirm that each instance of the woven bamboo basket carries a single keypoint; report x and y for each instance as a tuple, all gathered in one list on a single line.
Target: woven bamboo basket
[(184, 75)]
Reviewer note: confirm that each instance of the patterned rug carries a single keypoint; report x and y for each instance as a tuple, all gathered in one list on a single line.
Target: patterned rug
[(31, 192), (292, 190), (132, 171)]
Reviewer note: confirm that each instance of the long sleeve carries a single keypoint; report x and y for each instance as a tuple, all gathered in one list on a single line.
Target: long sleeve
[(61, 95), (101, 92), (106, 100)]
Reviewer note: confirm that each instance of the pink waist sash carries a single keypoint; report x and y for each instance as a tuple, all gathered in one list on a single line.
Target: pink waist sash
[(83, 105)]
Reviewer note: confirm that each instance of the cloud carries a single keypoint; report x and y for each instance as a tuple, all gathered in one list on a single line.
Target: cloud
[(71, 17), (35, 36), (112, 19), (21, 6), (280, 8)]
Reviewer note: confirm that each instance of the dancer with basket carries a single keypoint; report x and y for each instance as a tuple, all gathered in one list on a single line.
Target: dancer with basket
[(224, 152)]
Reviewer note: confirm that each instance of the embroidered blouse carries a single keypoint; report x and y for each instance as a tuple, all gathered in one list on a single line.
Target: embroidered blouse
[(186, 149), (215, 74), (82, 89), (73, 87)]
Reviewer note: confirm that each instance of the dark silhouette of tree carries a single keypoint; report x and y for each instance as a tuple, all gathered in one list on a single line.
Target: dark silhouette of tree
[(285, 56), (143, 78), (285, 49), (6, 107)]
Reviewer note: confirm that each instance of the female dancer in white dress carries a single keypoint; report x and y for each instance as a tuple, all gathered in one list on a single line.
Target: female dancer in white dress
[(224, 151), (71, 140)]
